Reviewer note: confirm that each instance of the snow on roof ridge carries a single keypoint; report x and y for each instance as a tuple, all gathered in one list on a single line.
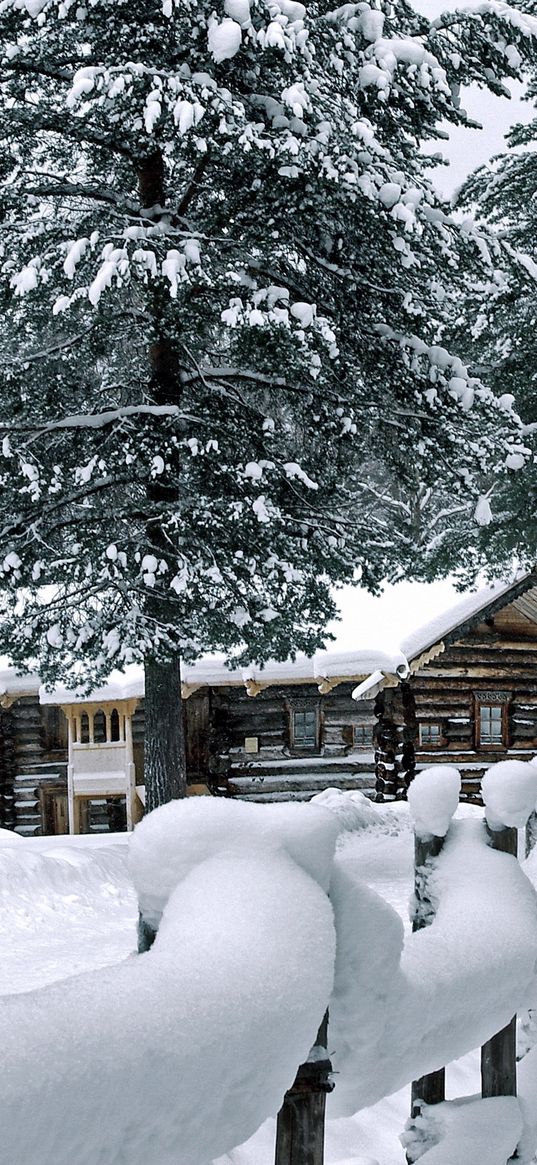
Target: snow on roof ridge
[(324, 665), (441, 625)]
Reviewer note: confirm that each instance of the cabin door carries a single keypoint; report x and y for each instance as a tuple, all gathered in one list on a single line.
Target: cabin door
[(197, 712), (54, 811)]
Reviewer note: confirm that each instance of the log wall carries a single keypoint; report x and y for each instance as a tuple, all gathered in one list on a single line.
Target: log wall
[(496, 662), (33, 758), (235, 716)]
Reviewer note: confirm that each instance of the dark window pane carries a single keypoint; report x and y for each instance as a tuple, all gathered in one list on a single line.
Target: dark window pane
[(305, 729), (99, 728), (114, 724), (430, 733)]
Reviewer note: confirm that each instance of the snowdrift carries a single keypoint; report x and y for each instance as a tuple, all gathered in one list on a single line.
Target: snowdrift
[(177, 1055), (402, 1008)]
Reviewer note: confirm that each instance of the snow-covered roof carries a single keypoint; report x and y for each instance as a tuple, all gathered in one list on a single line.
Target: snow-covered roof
[(12, 684), (369, 667), (324, 669), (468, 609), (120, 686), (429, 637)]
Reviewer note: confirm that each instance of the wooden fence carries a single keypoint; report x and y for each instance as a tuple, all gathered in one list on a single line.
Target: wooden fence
[(300, 1131), (498, 1055), (301, 1120)]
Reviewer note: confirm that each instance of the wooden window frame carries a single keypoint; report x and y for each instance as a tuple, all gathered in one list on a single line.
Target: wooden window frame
[(299, 749), (364, 744), (431, 744), (490, 700)]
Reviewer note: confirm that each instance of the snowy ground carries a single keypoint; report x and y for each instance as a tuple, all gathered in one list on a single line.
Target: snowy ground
[(386, 861), (68, 905), (64, 908)]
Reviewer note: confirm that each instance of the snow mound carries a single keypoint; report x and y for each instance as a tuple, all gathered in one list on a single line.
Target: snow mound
[(433, 797), (468, 1131), (62, 910), (7, 837), (509, 790), (203, 1033), (352, 809), (172, 840), (445, 991)]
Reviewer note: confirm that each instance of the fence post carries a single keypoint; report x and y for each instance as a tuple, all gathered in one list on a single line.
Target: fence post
[(498, 1055), (300, 1124), (531, 832), (431, 1088), (146, 935)]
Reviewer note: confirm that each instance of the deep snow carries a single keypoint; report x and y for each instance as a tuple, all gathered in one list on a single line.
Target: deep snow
[(69, 904)]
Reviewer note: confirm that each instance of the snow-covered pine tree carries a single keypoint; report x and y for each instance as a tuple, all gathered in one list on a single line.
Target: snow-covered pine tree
[(496, 327), (224, 276)]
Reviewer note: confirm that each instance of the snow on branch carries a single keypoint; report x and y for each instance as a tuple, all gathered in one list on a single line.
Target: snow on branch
[(521, 21), (96, 420)]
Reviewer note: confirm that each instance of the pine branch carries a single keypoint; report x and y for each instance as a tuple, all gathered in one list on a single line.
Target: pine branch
[(96, 420)]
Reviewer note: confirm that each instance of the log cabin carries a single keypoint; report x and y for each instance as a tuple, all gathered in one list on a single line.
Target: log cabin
[(462, 689), (470, 698)]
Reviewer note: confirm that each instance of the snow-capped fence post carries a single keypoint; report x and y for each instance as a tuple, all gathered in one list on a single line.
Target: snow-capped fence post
[(431, 1088), (509, 791), (498, 1055), (301, 1119), (433, 797)]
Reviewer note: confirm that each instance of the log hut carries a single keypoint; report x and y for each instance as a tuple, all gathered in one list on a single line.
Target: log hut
[(74, 763), (470, 698), (463, 690)]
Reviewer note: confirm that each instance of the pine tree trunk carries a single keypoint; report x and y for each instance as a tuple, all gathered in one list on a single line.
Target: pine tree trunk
[(164, 747)]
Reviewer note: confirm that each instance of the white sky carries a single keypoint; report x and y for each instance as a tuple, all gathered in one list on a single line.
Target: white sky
[(384, 622), (468, 149)]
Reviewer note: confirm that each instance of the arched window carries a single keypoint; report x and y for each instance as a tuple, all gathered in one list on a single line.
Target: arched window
[(84, 728), (114, 725), (99, 727)]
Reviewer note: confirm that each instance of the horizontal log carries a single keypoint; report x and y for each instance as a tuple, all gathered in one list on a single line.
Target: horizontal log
[(483, 674)]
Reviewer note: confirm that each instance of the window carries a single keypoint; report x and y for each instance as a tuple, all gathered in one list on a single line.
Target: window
[(362, 735), (491, 720), (304, 726), (99, 727), (114, 725), (490, 724), (431, 735), (84, 729)]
